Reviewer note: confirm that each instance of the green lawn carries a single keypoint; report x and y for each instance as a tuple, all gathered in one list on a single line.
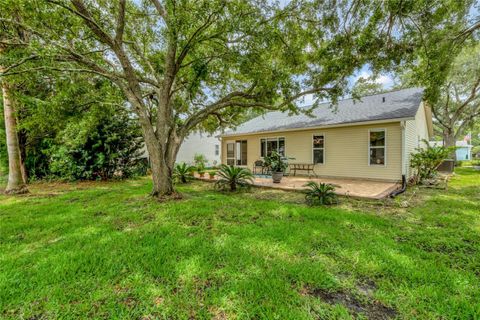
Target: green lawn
[(106, 250)]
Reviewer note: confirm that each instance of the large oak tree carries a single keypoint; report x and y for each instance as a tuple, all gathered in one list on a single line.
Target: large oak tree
[(458, 108)]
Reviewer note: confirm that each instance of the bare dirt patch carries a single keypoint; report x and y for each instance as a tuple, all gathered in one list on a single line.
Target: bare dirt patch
[(357, 305)]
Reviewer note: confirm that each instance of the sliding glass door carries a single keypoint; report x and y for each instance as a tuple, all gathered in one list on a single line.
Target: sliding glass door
[(241, 154), (231, 153), (237, 153)]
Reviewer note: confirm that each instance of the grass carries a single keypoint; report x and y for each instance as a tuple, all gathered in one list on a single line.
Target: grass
[(106, 250), (468, 163)]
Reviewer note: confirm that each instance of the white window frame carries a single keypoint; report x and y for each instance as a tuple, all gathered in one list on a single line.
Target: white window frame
[(384, 147), (324, 147), (278, 144)]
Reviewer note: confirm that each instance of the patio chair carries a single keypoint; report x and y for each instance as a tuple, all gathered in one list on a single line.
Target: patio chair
[(258, 165)]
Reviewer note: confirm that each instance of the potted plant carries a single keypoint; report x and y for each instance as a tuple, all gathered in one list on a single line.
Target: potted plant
[(212, 175), (277, 164), (201, 170), (200, 163)]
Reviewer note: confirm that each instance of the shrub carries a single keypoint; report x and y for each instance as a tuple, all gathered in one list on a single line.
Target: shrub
[(230, 177), (476, 152), (320, 193), (461, 163), (200, 160), (426, 161), (183, 172), (104, 145)]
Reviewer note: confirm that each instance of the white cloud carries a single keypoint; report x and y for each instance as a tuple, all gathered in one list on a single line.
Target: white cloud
[(305, 101), (385, 80)]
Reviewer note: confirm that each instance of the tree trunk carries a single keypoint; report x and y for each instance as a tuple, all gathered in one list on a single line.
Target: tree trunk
[(162, 180), (162, 165), (449, 141), (16, 183)]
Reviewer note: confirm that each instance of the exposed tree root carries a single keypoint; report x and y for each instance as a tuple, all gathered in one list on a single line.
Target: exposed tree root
[(167, 197), (21, 190)]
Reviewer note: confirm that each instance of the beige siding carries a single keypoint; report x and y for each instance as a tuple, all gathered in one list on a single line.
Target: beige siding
[(346, 150), (421, 123), (415, 131), (411, 142)]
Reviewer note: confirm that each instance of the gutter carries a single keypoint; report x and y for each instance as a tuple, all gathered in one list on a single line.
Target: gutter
[(395, 193), (345, 124)]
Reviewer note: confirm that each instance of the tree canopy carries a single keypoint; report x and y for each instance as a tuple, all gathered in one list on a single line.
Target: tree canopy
[(188, 64)]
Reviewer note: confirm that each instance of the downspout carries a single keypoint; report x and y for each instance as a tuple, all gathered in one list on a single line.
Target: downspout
[(401, 190), (404, 163)]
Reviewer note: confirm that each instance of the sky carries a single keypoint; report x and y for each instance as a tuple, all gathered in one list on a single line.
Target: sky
[(384, 79)]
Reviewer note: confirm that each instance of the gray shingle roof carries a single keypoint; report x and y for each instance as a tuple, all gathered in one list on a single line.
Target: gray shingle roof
[(398, 104)]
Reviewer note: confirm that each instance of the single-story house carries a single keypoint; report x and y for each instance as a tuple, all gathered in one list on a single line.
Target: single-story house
[(463, 151), (197, 143), (371, 138), (200, 143)]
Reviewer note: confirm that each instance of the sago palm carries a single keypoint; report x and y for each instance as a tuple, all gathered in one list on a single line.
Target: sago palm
[(183, 172), (320, 193), (230, 177)]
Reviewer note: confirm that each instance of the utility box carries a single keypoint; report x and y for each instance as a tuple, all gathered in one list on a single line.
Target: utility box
[(447, 166)]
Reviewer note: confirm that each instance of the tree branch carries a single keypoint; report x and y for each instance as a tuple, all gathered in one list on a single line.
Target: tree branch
[(471, 97), (446, 106), (160, 9), (5, 74), (191, 39), (19, 63), (120, 23), (143, 59), (85, 14), (237, 99), (468, 31)]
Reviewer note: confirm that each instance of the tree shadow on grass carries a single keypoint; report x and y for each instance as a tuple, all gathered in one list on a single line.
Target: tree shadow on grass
[(216, 254)]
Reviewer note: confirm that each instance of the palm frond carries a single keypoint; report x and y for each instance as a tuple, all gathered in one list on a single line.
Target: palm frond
[(320, 193), (183, 172), (230, 177)]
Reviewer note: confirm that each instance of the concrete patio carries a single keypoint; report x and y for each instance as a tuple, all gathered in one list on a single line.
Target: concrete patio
[(345, 187)]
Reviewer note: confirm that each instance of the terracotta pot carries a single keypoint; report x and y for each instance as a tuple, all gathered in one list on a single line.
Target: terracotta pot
[(277, 177)]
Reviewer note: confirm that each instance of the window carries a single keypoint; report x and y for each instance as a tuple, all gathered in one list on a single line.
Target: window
[(217, 149), (318, 149), (268, 145), (376, 147)]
